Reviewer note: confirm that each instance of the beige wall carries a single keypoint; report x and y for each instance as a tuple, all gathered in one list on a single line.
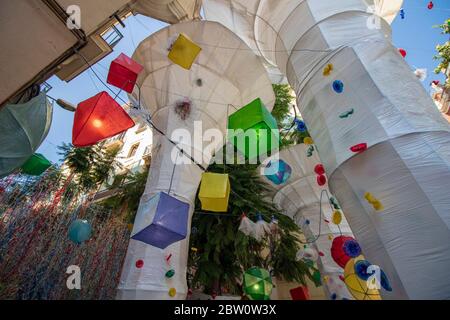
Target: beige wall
[(94, 12), (32, 38)]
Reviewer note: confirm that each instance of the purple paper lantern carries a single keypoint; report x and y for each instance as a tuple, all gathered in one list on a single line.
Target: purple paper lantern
[(169, 224)]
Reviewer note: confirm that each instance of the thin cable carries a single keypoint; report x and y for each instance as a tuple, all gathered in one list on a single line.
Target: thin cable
[(173, 173)]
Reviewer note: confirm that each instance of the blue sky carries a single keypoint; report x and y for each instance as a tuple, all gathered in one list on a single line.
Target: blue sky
[(415, 34)]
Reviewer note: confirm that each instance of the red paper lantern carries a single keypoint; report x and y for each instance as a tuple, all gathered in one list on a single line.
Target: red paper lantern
[(99, 118), (319, 169), (123, 73), (359, 147), (402, 52), (321, 180), (300, 293), (337, 250), (430, 5)]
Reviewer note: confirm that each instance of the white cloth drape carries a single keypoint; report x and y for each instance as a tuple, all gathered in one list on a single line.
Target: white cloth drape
[(407, 165)]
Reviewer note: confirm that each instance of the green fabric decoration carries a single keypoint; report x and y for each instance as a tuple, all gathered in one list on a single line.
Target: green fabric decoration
[(36, 165), (253, 116), (257, 284)]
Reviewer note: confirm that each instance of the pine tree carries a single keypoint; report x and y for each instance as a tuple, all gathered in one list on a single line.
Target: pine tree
[(220, 253)]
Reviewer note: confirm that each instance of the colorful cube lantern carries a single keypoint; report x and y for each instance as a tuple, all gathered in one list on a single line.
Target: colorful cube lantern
[(300, 293), (184, 52), (163, 222), (36, 165), (257, 284), (214, 192), (254, 131), (123, 73), (277, 171), (98, 118)]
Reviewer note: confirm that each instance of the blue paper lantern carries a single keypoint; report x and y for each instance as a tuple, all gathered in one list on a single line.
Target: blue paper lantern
[(338, 86), (80, 231), (402, 13), (169, 223), (278, 171)]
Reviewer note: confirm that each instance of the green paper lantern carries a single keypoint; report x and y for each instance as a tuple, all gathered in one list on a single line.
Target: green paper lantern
[(257, 284), (250, 124), (36, 165)]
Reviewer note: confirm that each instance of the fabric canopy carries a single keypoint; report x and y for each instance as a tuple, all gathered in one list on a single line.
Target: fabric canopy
[(406, 137)]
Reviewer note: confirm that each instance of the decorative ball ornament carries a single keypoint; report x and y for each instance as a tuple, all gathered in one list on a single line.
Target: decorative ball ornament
[(301, 126), (363, 272), (338, 86), (139, 263), (172, 292), (347, 114), (319, 169), (351, 248), (336, 217), (339, 255), (358, 148), (257, 284), (170, 273), (80, 231), (321, 180), (308, 254), (278, 171), (356, 286), (308, 141)]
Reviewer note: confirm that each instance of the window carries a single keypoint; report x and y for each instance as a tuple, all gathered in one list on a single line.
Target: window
[(133, 150)]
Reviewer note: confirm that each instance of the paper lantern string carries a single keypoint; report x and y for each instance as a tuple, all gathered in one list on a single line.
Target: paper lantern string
[(147, 119)]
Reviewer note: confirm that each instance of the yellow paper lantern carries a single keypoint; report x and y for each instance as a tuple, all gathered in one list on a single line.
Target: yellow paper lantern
[(184, 51), (336, 217), (357, 286), (214, 192)]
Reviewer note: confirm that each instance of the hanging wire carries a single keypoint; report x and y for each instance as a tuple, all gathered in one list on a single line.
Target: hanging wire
[(173, 173)]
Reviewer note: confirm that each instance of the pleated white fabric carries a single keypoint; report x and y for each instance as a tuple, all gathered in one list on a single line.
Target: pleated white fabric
[(393, 115)]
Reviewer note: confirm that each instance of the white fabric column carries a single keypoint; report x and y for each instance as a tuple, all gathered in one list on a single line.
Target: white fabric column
[(227, 76), (299, 198), (407, 164)]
